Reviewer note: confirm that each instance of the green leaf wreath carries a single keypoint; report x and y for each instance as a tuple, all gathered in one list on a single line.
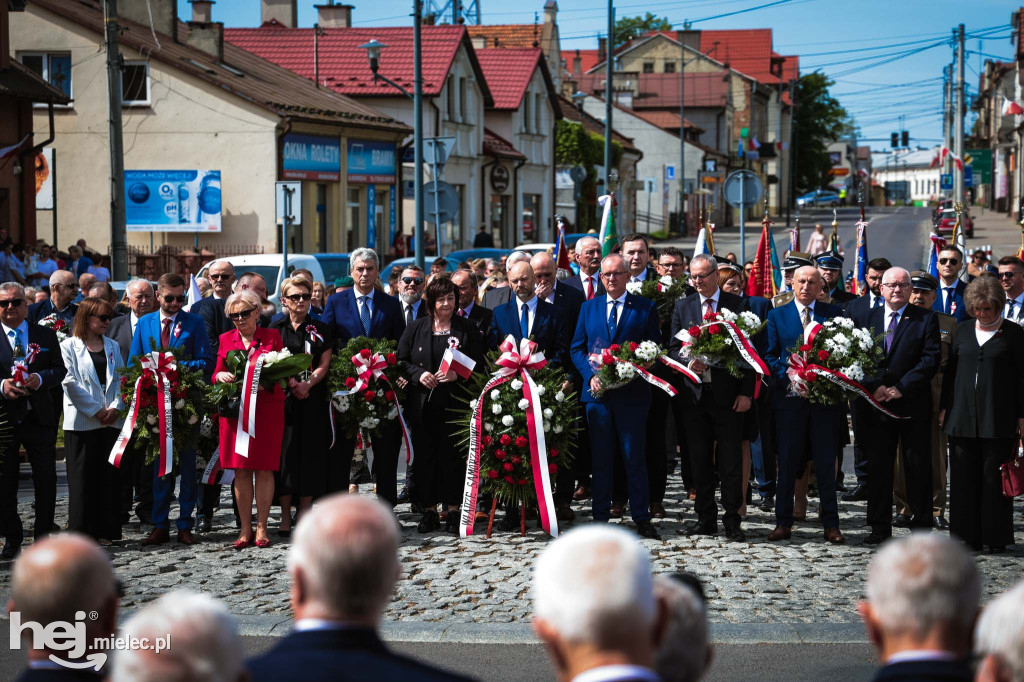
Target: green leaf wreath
[(373, 404)]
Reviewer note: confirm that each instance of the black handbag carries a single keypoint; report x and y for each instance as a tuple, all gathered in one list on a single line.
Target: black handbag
[(229, 409)]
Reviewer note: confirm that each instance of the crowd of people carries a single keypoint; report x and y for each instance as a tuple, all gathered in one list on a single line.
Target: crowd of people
[(953, 374), (598, 609)]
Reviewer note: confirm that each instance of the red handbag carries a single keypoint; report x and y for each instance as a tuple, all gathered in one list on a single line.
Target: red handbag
[(1012, 473)]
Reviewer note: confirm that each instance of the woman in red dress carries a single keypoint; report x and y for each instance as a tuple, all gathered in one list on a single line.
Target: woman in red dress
[(243, 309)]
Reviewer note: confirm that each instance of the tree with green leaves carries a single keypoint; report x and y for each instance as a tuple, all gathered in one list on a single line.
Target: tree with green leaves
[(628, 28), (819, 120)]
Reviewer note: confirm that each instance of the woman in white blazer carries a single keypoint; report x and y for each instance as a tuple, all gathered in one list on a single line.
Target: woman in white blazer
[(92, 396)]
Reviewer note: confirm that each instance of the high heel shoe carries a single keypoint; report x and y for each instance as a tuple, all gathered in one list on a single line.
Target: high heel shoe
[(242, 543), (263, 542)]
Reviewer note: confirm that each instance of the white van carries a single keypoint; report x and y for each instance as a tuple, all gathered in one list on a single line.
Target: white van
[(268, 265)]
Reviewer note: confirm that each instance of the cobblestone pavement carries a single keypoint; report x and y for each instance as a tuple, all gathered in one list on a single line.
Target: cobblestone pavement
[(479, 580)]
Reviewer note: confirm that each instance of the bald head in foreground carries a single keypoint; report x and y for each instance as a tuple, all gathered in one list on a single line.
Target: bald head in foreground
[(343, 565)]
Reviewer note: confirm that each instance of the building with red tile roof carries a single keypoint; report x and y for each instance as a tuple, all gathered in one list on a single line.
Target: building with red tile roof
[(543, 35)]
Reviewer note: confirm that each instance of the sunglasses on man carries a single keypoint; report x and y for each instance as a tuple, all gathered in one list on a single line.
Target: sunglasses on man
[(12, 303), (220, 277), (241, 314), (949, 261), (171, 299), (413, 280)]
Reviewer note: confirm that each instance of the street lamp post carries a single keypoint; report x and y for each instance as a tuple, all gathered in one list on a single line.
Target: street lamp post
[(373, 49)]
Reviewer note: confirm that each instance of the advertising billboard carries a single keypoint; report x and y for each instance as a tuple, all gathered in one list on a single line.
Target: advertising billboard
[(311, 157), (172, 200), (371, 162)]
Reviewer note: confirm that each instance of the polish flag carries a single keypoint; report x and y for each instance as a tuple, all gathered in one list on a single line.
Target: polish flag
[(457, 361), (956, 159), (1011, 108)]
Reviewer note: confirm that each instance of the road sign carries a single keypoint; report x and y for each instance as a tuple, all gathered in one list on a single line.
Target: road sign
[(968, 176), (578, 173), (670, 172), (650, 185), (743, 188), (447, 203), (436, 150), (295, 214), (946, 181), (711, 178), (981, 162)]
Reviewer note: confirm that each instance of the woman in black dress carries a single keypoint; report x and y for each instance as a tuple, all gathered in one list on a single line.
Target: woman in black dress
[(440, 468), (304, 469), (983, 414)]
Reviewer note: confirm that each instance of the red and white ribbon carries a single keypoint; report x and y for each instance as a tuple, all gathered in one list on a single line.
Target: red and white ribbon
[(246, 428), (748, 353), (370, 367), (156, 365), (606, 357), (313, 333), (512, 362), (213, 468), (680, 367), (33, 351), (805, 370)]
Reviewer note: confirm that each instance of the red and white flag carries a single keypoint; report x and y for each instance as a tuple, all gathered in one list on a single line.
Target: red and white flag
[(956, 159), (1011, 108), (457, 361)]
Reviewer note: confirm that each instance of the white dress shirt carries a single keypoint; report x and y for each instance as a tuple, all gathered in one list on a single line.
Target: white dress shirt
[(1018, 304), (134, 322), (639, 278), (595, 278), (415, 309), (618, 310), (714, 299), (163, 317), (465, 311), (800, 310), (531, 312)]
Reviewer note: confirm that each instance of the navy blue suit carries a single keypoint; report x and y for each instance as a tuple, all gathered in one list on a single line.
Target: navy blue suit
[(341, 312), (913, 359), (339, 655), (188, 332), (958, 308), (576, 283), (38, 311), (799, 423), (619, 416), (550, 330)]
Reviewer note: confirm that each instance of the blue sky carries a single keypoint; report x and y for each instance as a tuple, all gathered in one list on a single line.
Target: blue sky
[(822, 32)]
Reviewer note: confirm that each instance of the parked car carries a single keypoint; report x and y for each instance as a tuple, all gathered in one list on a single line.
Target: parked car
[(268, 265), (534, 249), (335, 265), (947, 219), (818, 198), (401, 263)]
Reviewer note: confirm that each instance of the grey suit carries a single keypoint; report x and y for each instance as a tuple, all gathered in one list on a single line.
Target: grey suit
[(496, 297), (120, 330)]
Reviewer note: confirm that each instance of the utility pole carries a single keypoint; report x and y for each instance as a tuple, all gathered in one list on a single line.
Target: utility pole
[(682, 135), (609, 93), (417, 107), (118, 233), (789, 164), (947, 112), (958, 121)]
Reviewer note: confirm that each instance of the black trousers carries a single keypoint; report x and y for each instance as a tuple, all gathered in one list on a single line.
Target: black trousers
[(915, 437), (808, 433), (582, 465), (94, 507), (40, 442), (679, 409), (705, 423), (440, 470), (656, 448), (979, 514), (766, 432), (386, 446), (137, 481), (861, 438)]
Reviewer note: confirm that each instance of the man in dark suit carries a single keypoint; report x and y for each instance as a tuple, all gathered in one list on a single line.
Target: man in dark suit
[(141, 302), (830, 265), (483, 239), (951, 287), (551, 290), (762, 450), (30, 413), (338, 598), (716, 416), (923, 597), (54, 581), (502, 295), (588, 255), (171, 327), (361, 311), (617, 417), (799, 423), (857, 308), (411, 284), (63, 289), (465, 282), (902, 383)]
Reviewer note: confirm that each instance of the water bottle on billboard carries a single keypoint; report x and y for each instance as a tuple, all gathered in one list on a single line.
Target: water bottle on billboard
[(208, 198), (183, 197)]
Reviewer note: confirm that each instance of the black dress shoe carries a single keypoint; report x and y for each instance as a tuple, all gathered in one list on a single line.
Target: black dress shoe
[(203, 523), (859, 494), (430, 522), (876, 538), (10, 551), (646, 529), (698, 528), (451, 522), (940, 522), (403, 496), (997, 549), (841, 487), (617, 510), (901, 521), (767, 503), (510, 521), (735, 534)]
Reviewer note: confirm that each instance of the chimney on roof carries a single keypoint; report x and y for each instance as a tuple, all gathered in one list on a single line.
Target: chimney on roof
[(577, 66), (334, 16), (602, 49), (689, 39), (202, 11), (203, 34), (285, 12), (550, 12), (164, 13)]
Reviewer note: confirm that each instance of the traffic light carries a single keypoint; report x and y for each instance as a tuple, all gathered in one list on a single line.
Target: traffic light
[(906, 138), (895, 140)]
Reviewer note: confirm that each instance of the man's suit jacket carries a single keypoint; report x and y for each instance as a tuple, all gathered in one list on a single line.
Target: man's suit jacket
[(858, 306), (912, 360), (191, 338), (576, 283), (120, 330), (496, 297), (925, 671), (760, 306), (416, 356), (947, 337), (38, 311), (841, 296), (569, 299), (724, 386), (48, 364), (481, 317), (420, 312), (211, 310), (342, 311), (550, 330), (638, 322), (960, 313), (339, 655), (785, 331)]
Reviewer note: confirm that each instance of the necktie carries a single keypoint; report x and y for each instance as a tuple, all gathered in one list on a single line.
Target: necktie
[(524, 322), (165, 333), (613, 321), (878, 302), (807, 316), (408, 314), (364, 313), (462, 313), (891, 330), (1009, 313), (590, 287), (19, 352), (710, 310), (949, 300)]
